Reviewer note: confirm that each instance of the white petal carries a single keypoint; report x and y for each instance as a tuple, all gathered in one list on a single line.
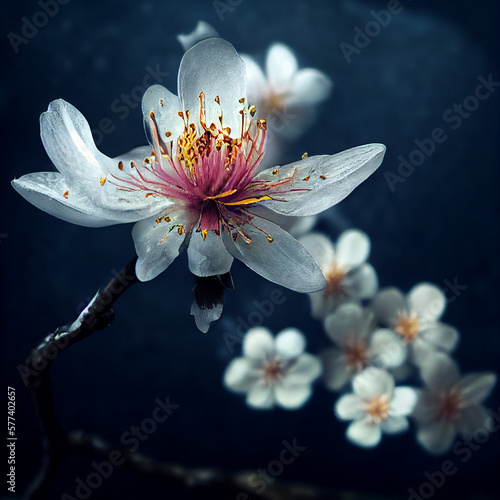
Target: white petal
[(394, 425), (330, 179), (240, 375), (440, 336), (373, 382), (427, 300), (46, 191), (283, 261), (260, 397), (213, 67), (439, 371), (203, 30), (292, 397), (156, 247), (353, 248), (336, 373), (346, 324), (387, 349), (208, 257), (308, 88), (281, 66), (68, 141), (427, 407), (364, 433), (257, 86), (436, 437), (403, 401), (471, 419), (361, 283), (166, 107), (387, 304), (204, 317), (324, 304), (476, 387), (350, 407), (258, 344), (321, 248), (304, 370), (290, 343)]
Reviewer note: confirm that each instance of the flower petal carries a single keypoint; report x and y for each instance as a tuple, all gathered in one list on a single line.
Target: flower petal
[(281, 66), (290, 343), (394, 425), (476, 387), (203, 30), (156, 247), (353, 248), (336, 372), (304, 370), (471, 419), (258, 344), (261, 397), (364, 433), (46, 191), (439, 372), (292, 396), (257, 86), (329, 179), (204, 317), (403, 401), (350, 407), (387, 304), (208, 257), (387, 349), (427, 300), (308, 88), (361, 283), (440, 336), (373, 382), (346, 324), (321, 248), (213, 67), (240, 375), (283, 260), (436, 437)]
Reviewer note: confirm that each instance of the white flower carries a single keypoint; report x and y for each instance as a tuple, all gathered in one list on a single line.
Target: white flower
[(415, 318), (286, 95), (449, 404), (273, 371), (202, 31), (358, 345), (196, 186), (344, 266), (374, 407)]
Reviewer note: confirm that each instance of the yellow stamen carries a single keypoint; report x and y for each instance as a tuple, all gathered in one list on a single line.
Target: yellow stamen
[(102, 181)]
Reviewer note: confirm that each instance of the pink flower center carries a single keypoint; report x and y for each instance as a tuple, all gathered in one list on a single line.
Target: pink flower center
[(334, 276), (272, 371), (450, 404)]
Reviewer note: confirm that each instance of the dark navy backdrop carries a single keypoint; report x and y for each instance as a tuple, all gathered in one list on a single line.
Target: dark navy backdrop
[(441, 223)]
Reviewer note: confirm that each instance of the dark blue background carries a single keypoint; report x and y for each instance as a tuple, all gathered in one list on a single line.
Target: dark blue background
[(441, 223)]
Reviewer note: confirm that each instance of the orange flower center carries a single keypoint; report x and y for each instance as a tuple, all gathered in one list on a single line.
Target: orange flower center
[(378, 408), (357, 355), (334, 277), (407, 326), (450, 404)]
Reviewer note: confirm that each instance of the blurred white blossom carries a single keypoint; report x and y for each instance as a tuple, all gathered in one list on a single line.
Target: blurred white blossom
[(273, 371), (349, 277), (449, 403), (375, 406)]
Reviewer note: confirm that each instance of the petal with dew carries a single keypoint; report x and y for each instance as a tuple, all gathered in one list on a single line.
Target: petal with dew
[(312, 185), (276, 256), (208, 256)]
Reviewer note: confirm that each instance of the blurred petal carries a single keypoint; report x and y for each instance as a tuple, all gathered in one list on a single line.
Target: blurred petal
[(281, 66), (387, 304), (346, 324), (336, 373), (394, 425), (439, 371), (361, 283), (258, 344), (240, 375), (260, 397), (257, 87), (203, 30), (364, 433), (440, 336), (373, 382), (427, 300), (208, 257), (304, 370), (403, 401), (308, 88), (436, 437), (472, 418), (291, 397), (476, 387), (329, 179), (353, 248), (387, 349), (321, 248), (350, 407), (290, 343)]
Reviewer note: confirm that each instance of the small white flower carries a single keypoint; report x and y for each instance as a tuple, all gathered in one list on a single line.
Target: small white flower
[(344, 266), (286, 95), (375, 406), (358, 345), (415, 318), (449, 404), (273, 371)]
